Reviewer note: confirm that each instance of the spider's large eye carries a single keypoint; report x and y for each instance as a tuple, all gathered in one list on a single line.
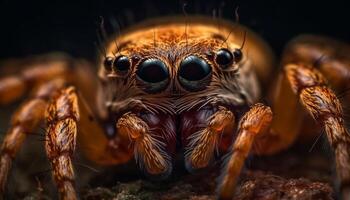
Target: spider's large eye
[(154, 74), (194, 73), (122, 64), (224, 58)]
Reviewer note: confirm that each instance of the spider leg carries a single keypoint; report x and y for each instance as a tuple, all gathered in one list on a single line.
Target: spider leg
[(151, 150), (62, 116), (65, 114), (200, 146), (13, 87), (324, 106), (310, 61), (46, 74), (254, 122), (331, 58), (42, 69), (25, 121)]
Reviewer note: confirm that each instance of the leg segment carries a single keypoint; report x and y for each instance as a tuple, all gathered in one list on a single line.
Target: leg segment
[(62, 117), (152, 151), (307, 60), (331, 58), (254, 122), (201, 145), (42, 69), (324, 106), (38, 72), (25, 121), (47, 74)]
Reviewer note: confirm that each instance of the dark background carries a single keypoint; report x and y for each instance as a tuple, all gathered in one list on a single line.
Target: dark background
[(34, 27)]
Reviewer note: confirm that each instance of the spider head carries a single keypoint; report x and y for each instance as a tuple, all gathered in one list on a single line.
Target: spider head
[(174, 78)]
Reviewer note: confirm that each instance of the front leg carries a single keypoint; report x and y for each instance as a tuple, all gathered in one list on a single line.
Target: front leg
[(153, 150), (254, 122), (201, 140)]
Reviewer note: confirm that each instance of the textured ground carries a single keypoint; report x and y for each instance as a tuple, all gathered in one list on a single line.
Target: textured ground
[(291, 175), (258, 186)]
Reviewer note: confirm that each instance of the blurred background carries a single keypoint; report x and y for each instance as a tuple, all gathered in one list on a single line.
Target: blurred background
[(35, 27)]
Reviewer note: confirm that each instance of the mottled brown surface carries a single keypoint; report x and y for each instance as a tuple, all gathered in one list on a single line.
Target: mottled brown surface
[(259, 186), (263, 186), (295, 174)]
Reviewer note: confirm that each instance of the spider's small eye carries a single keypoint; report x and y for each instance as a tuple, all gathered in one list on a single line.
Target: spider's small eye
[(108, 62), (194, 73), (238, 55), (154, 74), (224, 58), (122, 64)]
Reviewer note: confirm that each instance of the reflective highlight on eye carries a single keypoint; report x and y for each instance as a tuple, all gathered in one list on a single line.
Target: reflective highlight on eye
[(224, 58), (194, 73), (122, 64), (153, 73)]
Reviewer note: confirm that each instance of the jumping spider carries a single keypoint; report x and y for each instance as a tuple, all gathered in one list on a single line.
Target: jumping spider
[(191, 82)]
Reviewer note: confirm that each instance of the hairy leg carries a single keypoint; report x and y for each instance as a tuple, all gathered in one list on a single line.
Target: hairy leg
[(309, 62), (151, 150), (202, 142), (324, 106), (25, 121), (38, 74), (331, 58), (46, 74), (62, 117), (254, 122)]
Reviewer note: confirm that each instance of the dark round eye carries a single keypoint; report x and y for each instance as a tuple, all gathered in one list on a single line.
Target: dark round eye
[(238, 55), (107, 63), (122, 64), (154, 74), (193, 73), (153, 71), (224, 58), (193, 68)]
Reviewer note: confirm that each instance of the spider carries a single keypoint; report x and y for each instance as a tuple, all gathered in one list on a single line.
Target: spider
[(184, 84)]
